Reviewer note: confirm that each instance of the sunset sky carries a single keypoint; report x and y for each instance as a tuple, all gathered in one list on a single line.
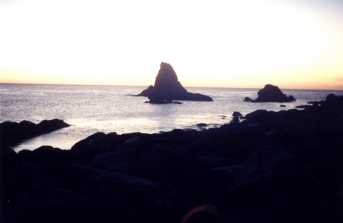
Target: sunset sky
[(223, 43)]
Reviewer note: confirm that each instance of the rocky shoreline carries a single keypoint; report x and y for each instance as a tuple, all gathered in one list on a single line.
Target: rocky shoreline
[(264, 167)]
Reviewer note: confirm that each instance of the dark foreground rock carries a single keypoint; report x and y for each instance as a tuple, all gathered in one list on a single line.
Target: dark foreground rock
[(271, 93), (167, 88), (13, 133), (268, 167)]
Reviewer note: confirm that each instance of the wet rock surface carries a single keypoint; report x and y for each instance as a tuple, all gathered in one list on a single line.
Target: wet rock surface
[(13, 133), (269, 167)]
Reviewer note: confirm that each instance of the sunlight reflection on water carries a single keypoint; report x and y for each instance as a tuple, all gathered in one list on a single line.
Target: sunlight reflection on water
[(90, 109)]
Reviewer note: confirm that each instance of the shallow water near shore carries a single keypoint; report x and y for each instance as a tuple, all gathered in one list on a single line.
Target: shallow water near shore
[(91, 109)]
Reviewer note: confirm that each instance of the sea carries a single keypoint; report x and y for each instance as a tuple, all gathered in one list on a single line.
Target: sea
[(90, 109)]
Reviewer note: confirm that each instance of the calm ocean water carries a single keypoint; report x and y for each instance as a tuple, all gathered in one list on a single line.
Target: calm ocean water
[(90, 109)]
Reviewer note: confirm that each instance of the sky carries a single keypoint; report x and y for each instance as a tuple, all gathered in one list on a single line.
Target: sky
[(214, 43)]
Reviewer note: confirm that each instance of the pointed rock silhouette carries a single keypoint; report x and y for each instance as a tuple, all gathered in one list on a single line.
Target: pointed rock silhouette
[(168, 88)]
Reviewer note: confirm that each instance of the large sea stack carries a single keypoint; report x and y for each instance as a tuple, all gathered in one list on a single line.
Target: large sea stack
[(271, 93), (167, 88)]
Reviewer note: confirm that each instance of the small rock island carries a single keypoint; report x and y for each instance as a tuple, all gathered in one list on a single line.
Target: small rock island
[(271, 93), (167, 88)]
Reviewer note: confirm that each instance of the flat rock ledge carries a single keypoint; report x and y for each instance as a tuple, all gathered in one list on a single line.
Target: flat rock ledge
[(12, 133)]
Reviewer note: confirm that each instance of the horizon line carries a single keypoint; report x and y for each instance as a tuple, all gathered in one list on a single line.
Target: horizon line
[(133, 85)]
